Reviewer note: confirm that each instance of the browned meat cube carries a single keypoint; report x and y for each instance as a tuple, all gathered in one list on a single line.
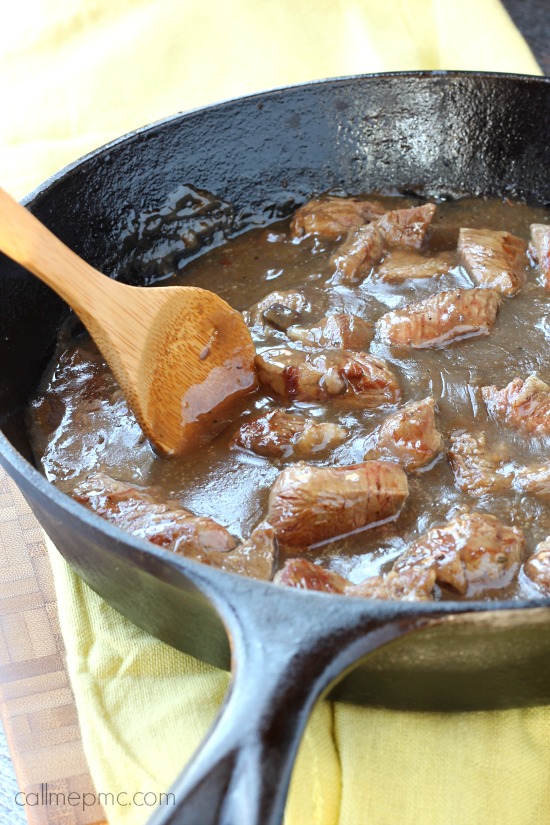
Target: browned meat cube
[(477, 469), (279, 434), (441, 319), (524, 405), (356, 257), (143, 514), (330, 218), (411, 585), (254, 557), (493, 259), (409, 436), (309, 505), (540, 250), (305, 575), (414, 584), (360, 379), (401, 266), (472, 551), (338, 331), (534, 480), (537, 567), (407, 228), (277, 311)]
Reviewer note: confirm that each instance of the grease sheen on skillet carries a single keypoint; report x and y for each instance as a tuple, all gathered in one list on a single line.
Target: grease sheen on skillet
[(74, 437)]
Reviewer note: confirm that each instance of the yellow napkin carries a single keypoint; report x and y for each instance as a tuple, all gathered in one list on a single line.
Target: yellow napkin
[(81, 73), (78, 74), (145, 707)]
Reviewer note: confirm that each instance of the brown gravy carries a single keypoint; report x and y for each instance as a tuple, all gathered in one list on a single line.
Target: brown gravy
[(232, 486)]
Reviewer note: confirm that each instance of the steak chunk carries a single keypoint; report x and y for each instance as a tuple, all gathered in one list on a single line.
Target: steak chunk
[(441, 319), (330, 218), (255, 557), (409, 436), (524, 405), (414, 584), (537, 567), (294, 375), (401, 266), (478, 470), (338, 331), (305, 575), (277, 311), (165, 523), (356, 257), (493, 259), (470, 551), (309, 505), (279, 434), (534, 480), (407, 228), (540, 250), (365, 246)]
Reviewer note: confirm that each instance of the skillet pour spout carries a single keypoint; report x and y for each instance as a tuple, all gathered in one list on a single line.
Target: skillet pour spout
[(211, 173)]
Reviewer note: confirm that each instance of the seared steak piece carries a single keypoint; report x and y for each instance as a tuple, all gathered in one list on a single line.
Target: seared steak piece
[(524, 405), (279, 434), (356, 257), (534, 480), (167, 524), (338, 331), (493, 259), (330, 218), (407, 228), (277, 311), (414, 584), (440, 319), (255, 557), (305, 575), (308, 504), (294, 375), (365, 246), (399, 266), (470, 551), (540, 250), (409, 436), (537, 567), (478, 470), (140, 511)]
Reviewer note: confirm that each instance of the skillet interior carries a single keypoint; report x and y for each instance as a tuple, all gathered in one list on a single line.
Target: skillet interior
[(430, 134)]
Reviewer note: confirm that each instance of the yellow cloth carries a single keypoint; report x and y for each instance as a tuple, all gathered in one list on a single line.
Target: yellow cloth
[(77, 74), (145, 707)]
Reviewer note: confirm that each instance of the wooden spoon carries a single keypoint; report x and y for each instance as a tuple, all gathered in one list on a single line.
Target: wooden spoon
[(182, 356)]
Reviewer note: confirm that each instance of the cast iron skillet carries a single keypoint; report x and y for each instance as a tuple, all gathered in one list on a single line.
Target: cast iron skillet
[(125, 208)]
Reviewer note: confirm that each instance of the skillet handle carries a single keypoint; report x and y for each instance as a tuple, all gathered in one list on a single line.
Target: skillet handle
[(241, 773)]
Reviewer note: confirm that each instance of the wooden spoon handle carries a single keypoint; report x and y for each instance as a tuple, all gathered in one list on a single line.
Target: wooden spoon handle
[(28, 242)]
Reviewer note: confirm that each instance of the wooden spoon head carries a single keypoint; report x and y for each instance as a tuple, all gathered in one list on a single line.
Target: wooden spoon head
[(182, 355), (196, 363)]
